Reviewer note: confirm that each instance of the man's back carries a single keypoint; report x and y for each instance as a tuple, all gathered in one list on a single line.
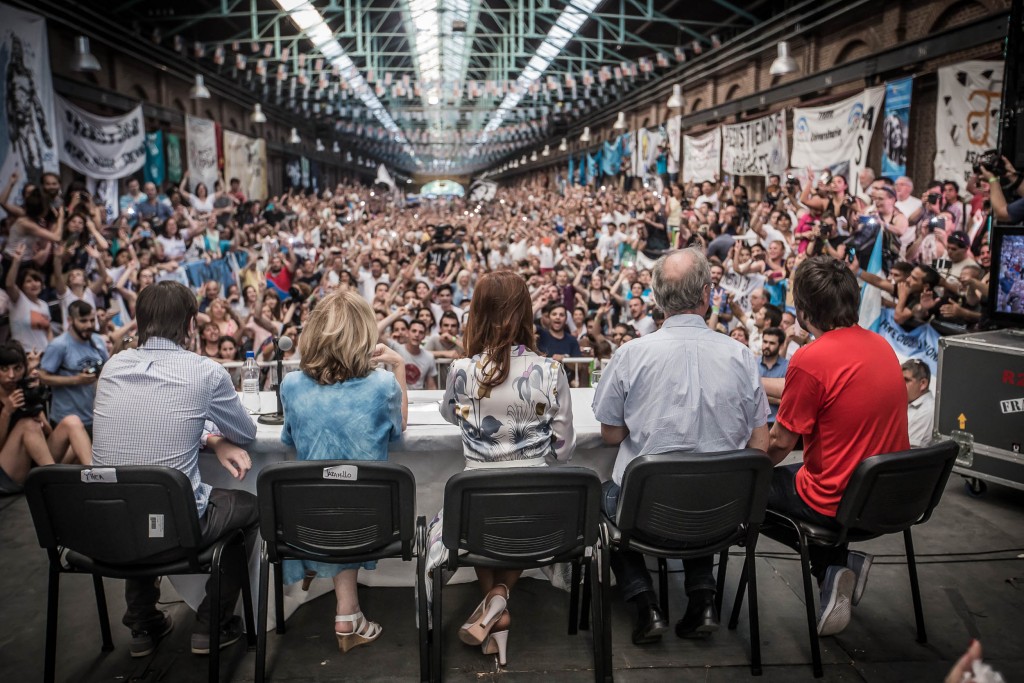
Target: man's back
[(152, 404), (845, 393), (685, 388)]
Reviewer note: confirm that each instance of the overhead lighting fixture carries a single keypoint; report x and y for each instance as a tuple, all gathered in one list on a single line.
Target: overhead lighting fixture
[(547, 150), (533, 157), (84, 60), (620, 121), (563, 146), (294, 137), (199, 91), (320, 146), (523, 160), (257, 115), (784, 63), (586, 134), (676, 101), (336, 148)]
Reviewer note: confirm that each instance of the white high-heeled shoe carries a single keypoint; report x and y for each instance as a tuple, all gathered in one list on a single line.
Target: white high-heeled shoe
[(497, 644), (363, 631), (487, 613)]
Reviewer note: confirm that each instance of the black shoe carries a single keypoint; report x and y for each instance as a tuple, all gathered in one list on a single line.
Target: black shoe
[(230, 633), (649, 626), (700, 620), (143, 643)]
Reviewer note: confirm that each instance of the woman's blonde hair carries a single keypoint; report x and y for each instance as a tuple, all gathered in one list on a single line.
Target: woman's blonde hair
[(338, 340)]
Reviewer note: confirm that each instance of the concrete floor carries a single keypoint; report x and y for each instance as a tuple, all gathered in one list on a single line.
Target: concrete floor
[(971, 564)]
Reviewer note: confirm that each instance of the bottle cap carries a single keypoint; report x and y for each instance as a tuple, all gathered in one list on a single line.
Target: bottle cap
[(250, 354)]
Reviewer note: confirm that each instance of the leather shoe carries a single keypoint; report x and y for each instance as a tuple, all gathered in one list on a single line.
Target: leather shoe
[(700, 620), (650, 624)]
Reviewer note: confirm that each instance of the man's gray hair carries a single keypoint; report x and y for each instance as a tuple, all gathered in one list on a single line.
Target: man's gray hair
[(682, 294)]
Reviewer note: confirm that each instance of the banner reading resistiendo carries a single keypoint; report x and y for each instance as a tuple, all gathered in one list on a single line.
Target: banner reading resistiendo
[(756, 148), (101, 147)]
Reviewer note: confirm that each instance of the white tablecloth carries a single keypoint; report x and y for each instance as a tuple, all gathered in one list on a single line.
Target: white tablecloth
[(430, 447)]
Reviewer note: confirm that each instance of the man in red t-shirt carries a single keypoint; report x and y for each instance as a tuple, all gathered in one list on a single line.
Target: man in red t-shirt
[(843, 396)]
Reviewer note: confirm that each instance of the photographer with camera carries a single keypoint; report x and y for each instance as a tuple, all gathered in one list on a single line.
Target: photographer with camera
[(72, 364), (26, 436), (998, 170)]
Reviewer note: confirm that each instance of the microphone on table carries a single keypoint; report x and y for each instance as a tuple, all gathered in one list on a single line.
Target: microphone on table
[(281, 344)]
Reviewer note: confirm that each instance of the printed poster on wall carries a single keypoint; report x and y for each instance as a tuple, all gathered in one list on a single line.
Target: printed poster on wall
[(201, 142), (896, 127), (645, 161), (156, 165), (173, 153), (835, 134), (292, 172), (702, 156), (245, 158), (966, 116), (104, 193), (28, 139), (756, 148), (673, 127), (104, 147)]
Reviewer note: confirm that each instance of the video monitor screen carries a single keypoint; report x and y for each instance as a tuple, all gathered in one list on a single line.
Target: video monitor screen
[(1008, 266)]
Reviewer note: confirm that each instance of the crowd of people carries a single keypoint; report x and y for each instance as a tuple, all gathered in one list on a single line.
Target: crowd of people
[(685, 298)]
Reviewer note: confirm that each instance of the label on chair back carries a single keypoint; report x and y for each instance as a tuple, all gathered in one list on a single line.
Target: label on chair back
[(100, 475), (342, 472), (156, 526)]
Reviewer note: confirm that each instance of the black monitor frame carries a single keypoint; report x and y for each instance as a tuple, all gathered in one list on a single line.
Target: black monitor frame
[(1001, 318)]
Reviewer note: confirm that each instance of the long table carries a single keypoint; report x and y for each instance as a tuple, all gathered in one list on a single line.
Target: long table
[(430, 447)]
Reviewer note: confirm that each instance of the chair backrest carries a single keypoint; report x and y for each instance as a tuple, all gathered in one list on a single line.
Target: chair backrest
[(114, 515), (693, 500), (521, 517), (337, 510), (892, 492)]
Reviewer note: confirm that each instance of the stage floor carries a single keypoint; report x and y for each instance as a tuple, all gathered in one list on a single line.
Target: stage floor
[(977, 596)]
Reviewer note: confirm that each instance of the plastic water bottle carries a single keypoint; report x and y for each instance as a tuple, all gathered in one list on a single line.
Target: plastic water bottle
[(251, 384)]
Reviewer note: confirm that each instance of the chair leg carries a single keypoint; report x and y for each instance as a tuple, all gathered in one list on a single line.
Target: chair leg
[(421, 599), (216, 568), (261, 634), (915, 588), (737, 603), (723, 562), (587, 596), (279, 600), (663, 586), (574, 597), (250, 622), (436, 663), (101, 607), (52, 597), (605, 627), (812, 621), (750, 570)]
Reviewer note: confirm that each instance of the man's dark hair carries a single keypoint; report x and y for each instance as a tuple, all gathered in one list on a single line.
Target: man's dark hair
[(553, 305), (166, 309), (417, 321), (443, 288), (931, 276), (903, 267), (79, 309), (772, 315), (450, 315), (774, 332), (826, 293), (955, 185)]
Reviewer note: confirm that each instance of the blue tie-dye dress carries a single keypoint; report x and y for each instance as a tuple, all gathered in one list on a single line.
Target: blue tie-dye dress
[(352, 420)]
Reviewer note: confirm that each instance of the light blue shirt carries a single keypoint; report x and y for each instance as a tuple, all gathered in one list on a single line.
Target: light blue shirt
[(152, 404), (68, 356), (682, 388)]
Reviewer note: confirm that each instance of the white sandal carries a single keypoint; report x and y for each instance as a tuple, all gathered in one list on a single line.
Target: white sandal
[(363, 631)]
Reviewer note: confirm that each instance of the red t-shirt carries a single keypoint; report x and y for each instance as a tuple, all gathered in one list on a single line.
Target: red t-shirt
[(845, 394), (282, 279)]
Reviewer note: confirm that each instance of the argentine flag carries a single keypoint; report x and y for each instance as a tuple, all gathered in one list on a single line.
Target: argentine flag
[(871, 297)]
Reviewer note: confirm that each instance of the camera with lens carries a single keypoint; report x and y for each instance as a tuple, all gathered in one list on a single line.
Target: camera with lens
[(792, 183), (992, 160), (36, 395), (92, 367), (936, 223)]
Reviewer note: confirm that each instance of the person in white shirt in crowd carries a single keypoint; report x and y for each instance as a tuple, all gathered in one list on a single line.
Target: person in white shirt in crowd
[(920, 402), (369, 279), (30, 315), (906, 202), (420, 370), (446, 343), (639, 318), (707, 196)]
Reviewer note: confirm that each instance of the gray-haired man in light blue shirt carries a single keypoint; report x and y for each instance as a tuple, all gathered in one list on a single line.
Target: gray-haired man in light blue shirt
[(682, 388)]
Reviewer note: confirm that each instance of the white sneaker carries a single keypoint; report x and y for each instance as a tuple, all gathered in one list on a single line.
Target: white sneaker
[(836, 608)]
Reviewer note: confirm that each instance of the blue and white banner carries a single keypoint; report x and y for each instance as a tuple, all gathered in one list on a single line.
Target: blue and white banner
[(921, 342), (593, 162), (896, 127), (611, 157), (156, 163)]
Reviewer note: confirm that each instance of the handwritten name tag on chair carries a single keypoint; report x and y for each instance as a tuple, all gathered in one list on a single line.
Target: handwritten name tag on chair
[(100, 475), (342, 472)]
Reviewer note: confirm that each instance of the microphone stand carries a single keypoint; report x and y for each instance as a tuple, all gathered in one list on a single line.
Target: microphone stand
[(278, 417)]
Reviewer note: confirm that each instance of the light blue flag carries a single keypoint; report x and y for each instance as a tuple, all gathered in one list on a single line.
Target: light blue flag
[(871, 297), (156, 166), (611, 157), (571, 167)]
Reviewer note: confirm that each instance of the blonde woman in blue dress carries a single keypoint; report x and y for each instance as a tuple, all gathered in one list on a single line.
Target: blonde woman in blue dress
[(514, 409), (340, 408)]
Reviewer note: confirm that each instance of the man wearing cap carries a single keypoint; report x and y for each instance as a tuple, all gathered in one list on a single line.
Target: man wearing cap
[(957, 246)]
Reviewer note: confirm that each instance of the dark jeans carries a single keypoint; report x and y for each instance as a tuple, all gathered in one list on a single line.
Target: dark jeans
[(226, 512), (784, 498), (631, 569)]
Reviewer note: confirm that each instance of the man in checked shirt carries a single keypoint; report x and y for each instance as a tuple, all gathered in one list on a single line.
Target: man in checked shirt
[(152, 404)]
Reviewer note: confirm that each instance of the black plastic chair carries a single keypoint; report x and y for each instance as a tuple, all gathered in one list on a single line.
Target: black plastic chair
[(522, 519), (337, 511), (685, 505), (887, 494), (112, 521)]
